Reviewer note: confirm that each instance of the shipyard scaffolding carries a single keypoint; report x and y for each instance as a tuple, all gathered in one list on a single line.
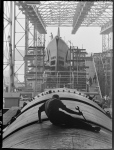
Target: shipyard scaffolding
[(34, 61), (34, 53), (23, 39), (103, 61), (73, 76), (24, 43), (77, 68)]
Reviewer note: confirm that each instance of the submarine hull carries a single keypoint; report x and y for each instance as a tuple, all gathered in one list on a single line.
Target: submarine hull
[(26, 132)]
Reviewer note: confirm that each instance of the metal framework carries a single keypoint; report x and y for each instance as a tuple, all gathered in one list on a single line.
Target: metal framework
[(22, 17), (75, 14), (77, 63), (18, 36), (103, 63), (32, 13)]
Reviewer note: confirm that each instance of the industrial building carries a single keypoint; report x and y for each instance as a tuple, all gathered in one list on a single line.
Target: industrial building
[(29, 65), (35, 22)]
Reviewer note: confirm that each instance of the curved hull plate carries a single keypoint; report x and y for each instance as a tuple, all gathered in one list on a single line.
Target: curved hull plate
[(25, 132)]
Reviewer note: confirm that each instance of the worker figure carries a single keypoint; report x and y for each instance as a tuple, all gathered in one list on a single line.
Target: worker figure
[(59, 118), (15, 116), (24, 104), (90, 81), (108, 114), (91, 97), (95, 79), (87, 85)]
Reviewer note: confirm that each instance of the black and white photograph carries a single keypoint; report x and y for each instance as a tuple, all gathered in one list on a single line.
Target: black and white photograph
[(57, 75)]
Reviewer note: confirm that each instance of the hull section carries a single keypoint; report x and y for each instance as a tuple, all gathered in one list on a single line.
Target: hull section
[(26, 132), (57, 54), (48, 136)]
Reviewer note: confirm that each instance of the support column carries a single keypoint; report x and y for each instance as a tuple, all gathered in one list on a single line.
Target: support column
[(111, 81), (71, 62), (11, 85), (44, 41), (77, 64), (103, 42), (13, 44), (26, 47), (43, 44), (36, 59), (35, 51)]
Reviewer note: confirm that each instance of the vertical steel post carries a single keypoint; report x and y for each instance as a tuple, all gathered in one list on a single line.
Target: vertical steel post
[(77, 65), (108, 55), (57, 80), (43, 52), (71, 62), (70, 59), (72, 68), (43, 44), (34, 53), (111, 68), (36, 58), (57, 40), (10, 52), (102, 43), (26, 48), (73, 79), (111, 81), (13, 44)]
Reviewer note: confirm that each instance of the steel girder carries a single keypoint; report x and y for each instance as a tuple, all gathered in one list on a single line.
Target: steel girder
[(57, 13), (82, 10), (66, 13), (107, 28), (9, 44), (33, 14)]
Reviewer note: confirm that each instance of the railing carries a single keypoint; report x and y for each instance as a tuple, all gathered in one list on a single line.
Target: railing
[(97, 77), (60, 79)]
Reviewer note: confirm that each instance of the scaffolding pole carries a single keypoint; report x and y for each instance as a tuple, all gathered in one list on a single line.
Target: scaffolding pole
[(11, 85), (26, 46)]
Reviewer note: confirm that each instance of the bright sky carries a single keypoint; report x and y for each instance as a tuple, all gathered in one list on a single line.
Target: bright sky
[(89, 37)]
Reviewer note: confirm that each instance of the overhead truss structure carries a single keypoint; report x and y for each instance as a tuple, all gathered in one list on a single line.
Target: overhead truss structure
[(18, 36), (21, 18), (67, 13), (75, 14), (31, 11)]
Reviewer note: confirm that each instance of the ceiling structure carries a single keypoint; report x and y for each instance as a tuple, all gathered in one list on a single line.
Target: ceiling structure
[(44, 14), (68, 13)]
